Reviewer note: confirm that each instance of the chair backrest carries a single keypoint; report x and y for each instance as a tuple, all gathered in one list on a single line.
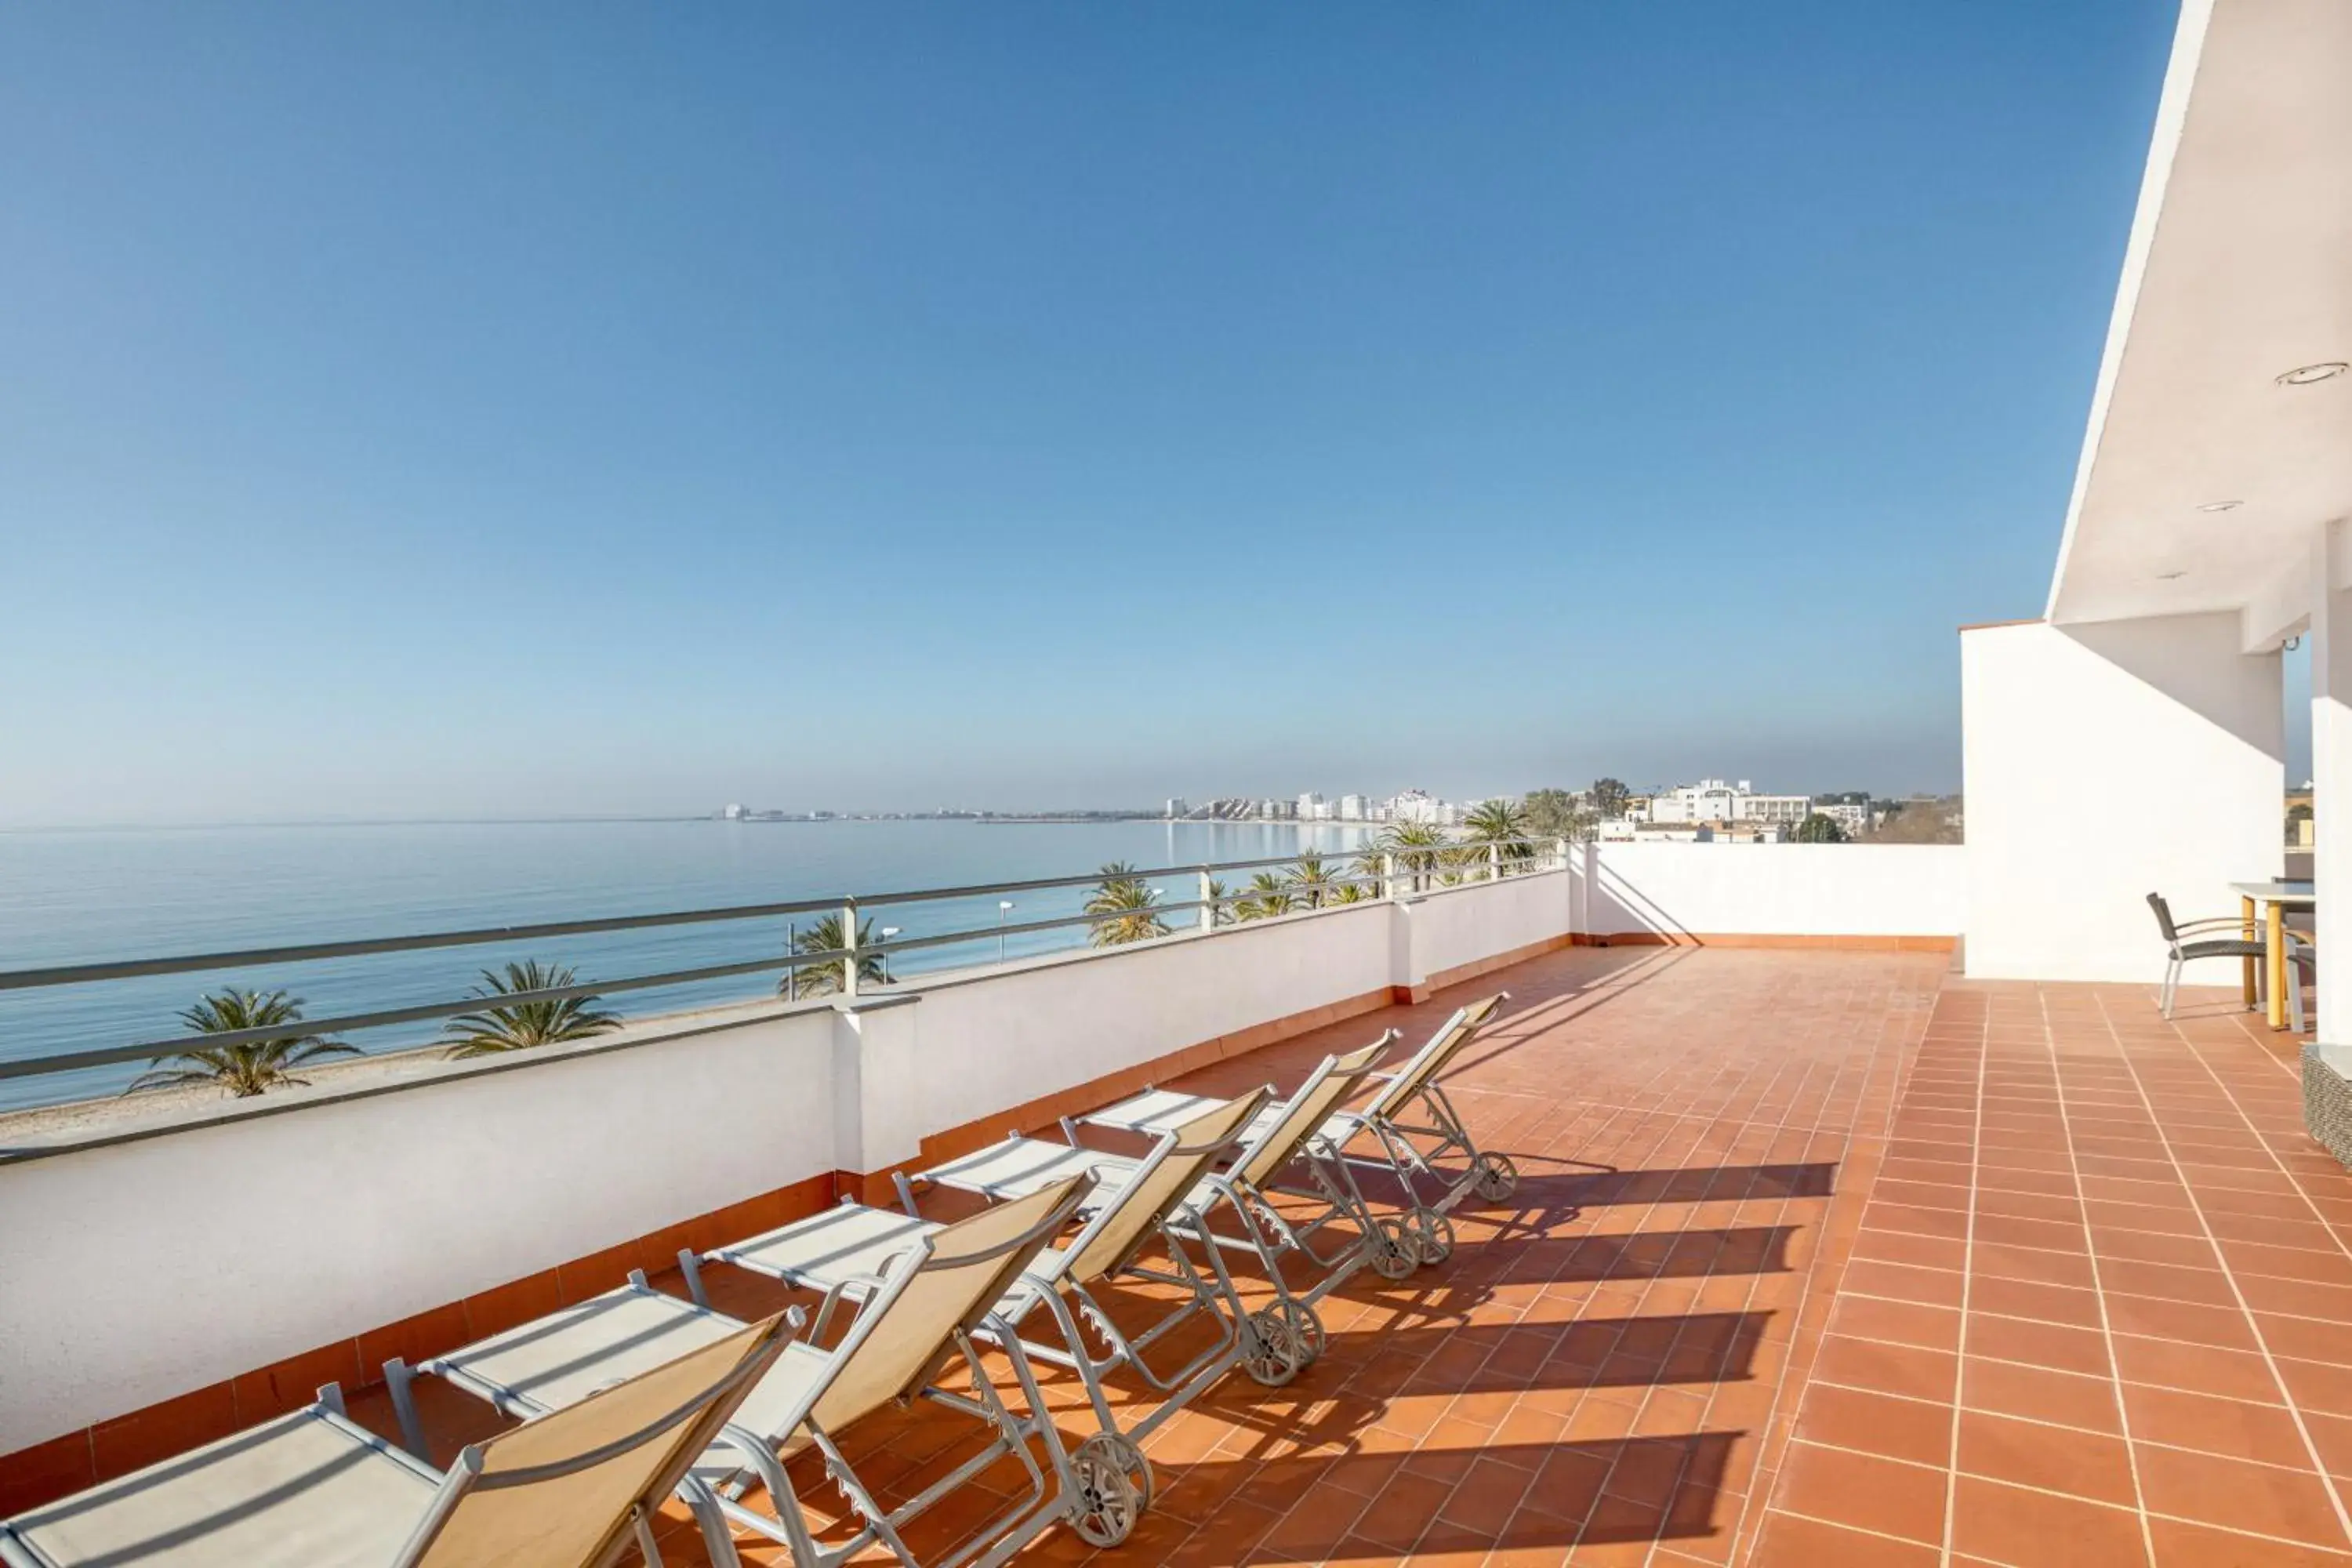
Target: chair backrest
[(1186, 1153), (1436, 1055), (563, 1489), (1326, 1087), (943, 1282), (2163, 917)]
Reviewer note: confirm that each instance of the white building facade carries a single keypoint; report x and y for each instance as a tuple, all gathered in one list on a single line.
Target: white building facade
[(1713, 800)]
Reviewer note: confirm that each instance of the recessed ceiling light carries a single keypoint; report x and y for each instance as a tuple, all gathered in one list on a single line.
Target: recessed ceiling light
[(2303, 375), (2221, 506), (2168, 576)]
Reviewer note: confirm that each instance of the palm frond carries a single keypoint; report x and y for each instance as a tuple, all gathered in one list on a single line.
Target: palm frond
[(246, 1070), (519, 1026)]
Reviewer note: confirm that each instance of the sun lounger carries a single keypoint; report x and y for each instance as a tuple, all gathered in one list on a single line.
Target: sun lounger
[(1281, 1139), (914, 1313), (830, 1252), (310, 1489), (1429, 1231)]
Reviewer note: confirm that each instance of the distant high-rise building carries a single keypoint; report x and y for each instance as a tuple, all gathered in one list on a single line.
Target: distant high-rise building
[(1310, 805), (1272, 810), (1416, 805), (734, 814), (1177, 806), (1352, 807)]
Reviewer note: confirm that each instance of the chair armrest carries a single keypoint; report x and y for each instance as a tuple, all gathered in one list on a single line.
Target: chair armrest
[(2232, 922)]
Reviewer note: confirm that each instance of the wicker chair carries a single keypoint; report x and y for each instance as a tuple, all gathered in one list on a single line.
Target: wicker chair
[(2183, 946)]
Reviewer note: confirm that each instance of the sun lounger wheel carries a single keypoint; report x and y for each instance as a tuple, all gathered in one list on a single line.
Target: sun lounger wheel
[(1114, 1486), (1278, 1356), (1432, 1235), (1394, 1256), (1495, 1179), (1305, 1327)]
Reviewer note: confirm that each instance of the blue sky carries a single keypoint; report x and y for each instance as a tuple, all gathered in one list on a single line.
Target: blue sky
[(518, 409)]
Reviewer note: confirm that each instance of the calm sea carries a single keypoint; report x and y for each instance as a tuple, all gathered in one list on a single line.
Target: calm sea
[(87, 897)]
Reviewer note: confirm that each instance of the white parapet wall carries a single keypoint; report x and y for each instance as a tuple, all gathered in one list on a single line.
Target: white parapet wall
[(2104, 763), (142, 1270), (1690, 892)]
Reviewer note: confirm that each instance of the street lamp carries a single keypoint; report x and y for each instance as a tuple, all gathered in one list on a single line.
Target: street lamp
[(1003, 908), (887, 933)]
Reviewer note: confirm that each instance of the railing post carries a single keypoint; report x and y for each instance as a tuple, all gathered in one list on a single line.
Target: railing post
[(1207, 901), (1494, 861), (849, 941), (1560, 852), (1389, 876)]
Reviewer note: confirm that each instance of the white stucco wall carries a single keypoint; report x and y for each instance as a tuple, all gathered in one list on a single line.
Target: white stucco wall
[(1002, 1040), (140, 1270), (1455, 926), (1775, 889), (2103, 762)]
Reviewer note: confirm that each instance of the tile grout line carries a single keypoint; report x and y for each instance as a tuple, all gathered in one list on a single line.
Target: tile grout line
[(2262, 1342), (2098, 1288), (1968, 1280)]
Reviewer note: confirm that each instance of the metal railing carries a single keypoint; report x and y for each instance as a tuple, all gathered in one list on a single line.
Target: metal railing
[(1403, 869)]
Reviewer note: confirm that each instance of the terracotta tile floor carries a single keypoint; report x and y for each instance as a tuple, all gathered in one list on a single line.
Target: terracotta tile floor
[(1816, 1259)]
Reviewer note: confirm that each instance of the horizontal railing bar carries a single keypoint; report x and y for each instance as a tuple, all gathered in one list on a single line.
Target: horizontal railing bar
[(247, 957), (417, 1013), (307, 953), (1311, 896)]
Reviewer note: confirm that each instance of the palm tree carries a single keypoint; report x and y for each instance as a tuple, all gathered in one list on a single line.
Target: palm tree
[(1220, 903), (1371, 866), (247, 1070), (1124, 901), (1270, 896), (1504, 825), (519, 1026), (823, 979), (1416, 846), (1313, 876)]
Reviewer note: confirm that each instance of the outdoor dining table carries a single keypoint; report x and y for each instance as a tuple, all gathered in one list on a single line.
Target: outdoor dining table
[(2272, 900)]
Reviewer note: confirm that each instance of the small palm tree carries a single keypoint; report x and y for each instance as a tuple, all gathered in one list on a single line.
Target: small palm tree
[(1312, 876), (519, 1026), (1125, 905), (1504, 824), (1372, 870), (1269, 895), (1417, 847), (1220, 903), (247, 1070), (823, 979)]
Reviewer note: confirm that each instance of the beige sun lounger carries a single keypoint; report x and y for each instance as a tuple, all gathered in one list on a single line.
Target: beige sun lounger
[(1429, 1233), (828, 1252), (915, 1311), (310, 1489), (1282, 1138)]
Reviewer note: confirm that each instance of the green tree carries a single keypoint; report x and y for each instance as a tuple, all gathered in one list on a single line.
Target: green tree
[(1559, 814), (247, 1070), (1126, 908), (519, 1026), (1418, 846), (1312, 877), (823, 978), (1503, 823), (1609, 797), (1270, 894), (1819, 829)]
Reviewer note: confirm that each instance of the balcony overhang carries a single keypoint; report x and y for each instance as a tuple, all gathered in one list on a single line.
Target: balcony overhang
[(2204, 479)]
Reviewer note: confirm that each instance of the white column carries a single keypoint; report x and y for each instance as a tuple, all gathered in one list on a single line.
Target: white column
[(2331, 768)]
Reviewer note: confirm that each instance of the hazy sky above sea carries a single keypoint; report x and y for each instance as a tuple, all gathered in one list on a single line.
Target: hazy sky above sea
[(506, 409)]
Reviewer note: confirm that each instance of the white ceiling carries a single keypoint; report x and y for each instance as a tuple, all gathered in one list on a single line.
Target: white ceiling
[(2238, 269)]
